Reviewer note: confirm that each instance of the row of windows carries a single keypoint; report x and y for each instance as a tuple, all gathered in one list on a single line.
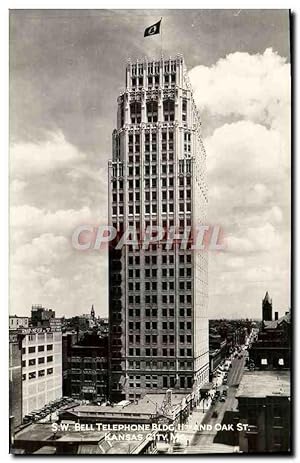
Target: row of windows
[(164, 312), (41, 336), (165, 223), (152, 111), (166, 339), (153, 325), (40, 360), (153, 352), (153, 68), (183, 181), (87, 365), (39, 374), (152, 137), (32, 349), (165, 146), (153, 81), (152, 299), (165, 258), (165, 286), (88, 377), (165, 208), (149, 272), (165, 195), (165, 169), (165, 156), (164, 365)]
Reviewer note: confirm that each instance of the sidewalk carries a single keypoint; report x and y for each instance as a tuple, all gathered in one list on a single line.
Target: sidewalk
[(185, 437)]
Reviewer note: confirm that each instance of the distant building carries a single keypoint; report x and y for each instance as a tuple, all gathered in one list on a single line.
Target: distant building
[(267, 308), (93, 313), (217, 352), (272, 348), (264, 404), (39, 314), (16, 322)]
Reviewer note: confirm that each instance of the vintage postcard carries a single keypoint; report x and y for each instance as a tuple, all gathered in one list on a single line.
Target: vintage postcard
[(150, 232)]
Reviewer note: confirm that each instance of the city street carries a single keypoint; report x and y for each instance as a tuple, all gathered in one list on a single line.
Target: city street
[(203, 440)]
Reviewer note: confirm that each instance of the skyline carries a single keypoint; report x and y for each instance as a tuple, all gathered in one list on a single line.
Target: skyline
[(63, 104)]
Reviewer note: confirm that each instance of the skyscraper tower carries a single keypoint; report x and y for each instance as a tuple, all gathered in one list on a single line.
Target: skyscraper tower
[(157, 177)]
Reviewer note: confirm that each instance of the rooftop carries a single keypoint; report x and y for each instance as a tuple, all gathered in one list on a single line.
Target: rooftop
[(44, 432), (265, 383), (148, 405), (272, 325)]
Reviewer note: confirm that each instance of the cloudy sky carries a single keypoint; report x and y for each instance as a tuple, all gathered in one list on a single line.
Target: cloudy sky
[(66, 71)]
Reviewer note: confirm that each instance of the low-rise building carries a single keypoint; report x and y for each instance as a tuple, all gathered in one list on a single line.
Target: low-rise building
[(40, 439), (41, 367), (264, 404)]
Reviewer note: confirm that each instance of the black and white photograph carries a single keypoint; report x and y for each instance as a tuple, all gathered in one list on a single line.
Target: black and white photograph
[(150, 301)]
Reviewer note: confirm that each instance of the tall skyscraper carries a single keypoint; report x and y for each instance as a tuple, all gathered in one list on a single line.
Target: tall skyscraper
[(157, 178)]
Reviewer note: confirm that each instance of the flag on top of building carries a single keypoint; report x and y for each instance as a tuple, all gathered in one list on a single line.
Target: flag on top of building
[(154, 29)]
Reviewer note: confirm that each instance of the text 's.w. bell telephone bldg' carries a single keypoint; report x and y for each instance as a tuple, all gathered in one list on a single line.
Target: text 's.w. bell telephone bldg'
[(158, 297)]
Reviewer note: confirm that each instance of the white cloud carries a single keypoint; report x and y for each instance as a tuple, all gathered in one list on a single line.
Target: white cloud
[(31, 219), (28, 159), (246, 99), (246, 152), (255, 87)]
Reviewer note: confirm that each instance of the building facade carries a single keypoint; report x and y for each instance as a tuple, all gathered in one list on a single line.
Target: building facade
[(264, 403), (157, 178), (15, 379), (41, 367), (86, 375), (272, 348), (16, 322)]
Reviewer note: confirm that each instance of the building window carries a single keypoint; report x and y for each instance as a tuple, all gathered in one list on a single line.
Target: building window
[(31, 350), (135, 112), (152, 111), (168, 109)]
